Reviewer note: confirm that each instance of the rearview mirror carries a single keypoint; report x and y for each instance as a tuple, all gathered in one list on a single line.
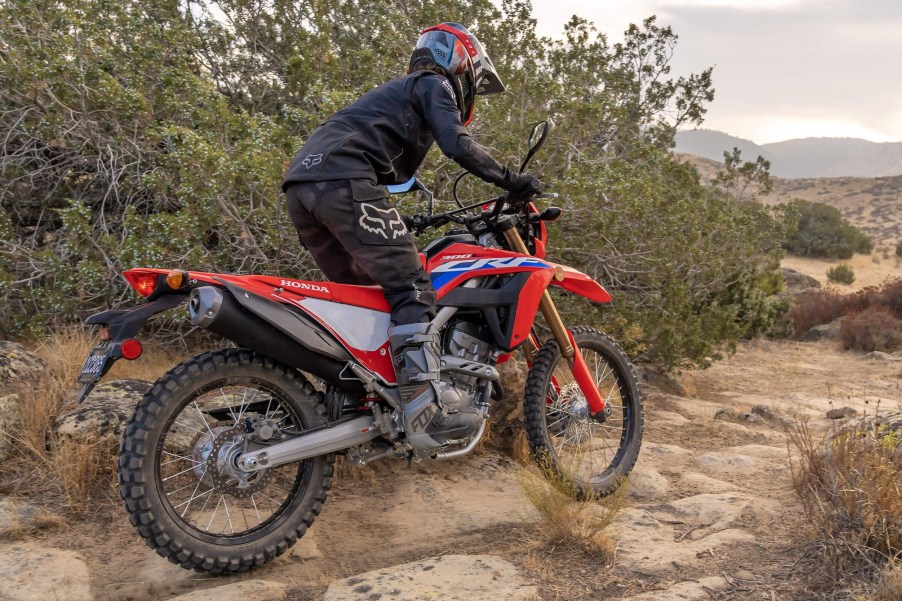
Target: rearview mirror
[(410, 185), (413, 185), (537, 139)]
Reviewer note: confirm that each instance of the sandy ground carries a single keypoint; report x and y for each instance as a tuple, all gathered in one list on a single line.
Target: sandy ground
[(870, 270), (711, 513)]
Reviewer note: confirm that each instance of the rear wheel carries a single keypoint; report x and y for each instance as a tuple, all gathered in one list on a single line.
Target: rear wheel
[(588, 455), (178, 476)]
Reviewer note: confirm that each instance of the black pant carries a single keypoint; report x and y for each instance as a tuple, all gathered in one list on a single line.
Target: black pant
[(364, 243)]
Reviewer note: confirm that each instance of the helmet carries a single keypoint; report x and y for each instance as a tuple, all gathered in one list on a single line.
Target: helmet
[(459, 54)]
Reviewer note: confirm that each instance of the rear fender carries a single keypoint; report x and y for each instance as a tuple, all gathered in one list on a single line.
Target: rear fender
[(122, 324)]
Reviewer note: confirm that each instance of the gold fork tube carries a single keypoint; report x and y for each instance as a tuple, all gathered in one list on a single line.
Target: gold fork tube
[(546, 304)]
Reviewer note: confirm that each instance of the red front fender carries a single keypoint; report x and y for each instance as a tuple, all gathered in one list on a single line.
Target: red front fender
[(579, 283)]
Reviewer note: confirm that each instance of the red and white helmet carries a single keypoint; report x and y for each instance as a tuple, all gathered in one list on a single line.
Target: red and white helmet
[(463, 59)]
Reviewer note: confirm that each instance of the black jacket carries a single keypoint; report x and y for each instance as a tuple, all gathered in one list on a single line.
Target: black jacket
[(383, 138)]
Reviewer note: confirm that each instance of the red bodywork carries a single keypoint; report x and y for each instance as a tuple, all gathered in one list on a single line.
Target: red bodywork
[(449, 269)]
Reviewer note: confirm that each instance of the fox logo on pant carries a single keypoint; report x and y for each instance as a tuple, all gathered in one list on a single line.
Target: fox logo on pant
[(386, 223)]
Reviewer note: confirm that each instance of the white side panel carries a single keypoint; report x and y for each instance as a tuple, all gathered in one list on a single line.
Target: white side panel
[(361, 328)]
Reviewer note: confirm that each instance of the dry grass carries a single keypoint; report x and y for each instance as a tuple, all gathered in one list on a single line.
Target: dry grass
[(567, 520), (887, 588), (874, 329), (850, 484), (69, 473)]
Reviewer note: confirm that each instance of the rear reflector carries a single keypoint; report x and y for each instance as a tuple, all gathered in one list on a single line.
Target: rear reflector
[(131, 349)]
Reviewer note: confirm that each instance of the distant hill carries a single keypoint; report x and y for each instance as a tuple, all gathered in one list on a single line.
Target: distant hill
[(872, 204), (802, 158)]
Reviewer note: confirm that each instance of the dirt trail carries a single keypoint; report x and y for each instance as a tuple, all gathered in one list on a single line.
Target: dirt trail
[(711, 512)]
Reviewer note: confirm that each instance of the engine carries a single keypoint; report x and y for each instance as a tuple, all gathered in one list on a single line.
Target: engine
[(467, 340), (460, 394)]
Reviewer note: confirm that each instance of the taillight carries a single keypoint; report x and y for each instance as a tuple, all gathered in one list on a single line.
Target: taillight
[(143, 282), (131, 349)]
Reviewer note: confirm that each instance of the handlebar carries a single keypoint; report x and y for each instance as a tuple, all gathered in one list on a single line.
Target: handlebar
[(420, 222)]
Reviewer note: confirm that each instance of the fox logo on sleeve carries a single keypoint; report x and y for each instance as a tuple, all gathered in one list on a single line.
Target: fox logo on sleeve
[(384, 222), (312, 159)]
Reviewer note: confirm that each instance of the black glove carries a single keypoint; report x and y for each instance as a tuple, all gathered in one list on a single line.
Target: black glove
[(521, 185)]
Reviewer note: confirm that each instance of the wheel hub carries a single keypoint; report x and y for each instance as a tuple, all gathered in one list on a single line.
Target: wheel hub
[(217, 454)]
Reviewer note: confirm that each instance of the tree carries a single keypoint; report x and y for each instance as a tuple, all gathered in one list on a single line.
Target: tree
[(821, 231), (738, 178)]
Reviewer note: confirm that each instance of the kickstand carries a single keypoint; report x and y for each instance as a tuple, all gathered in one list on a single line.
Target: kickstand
[(409, 459)]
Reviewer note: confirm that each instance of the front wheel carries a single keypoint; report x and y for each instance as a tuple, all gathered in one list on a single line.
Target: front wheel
[(589, 456), (178, 475)]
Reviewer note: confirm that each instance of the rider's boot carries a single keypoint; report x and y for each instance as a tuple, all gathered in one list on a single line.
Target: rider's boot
[(416, 357)]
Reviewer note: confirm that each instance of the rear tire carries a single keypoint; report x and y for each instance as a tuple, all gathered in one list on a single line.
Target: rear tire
[(589, 457), (176, 461)]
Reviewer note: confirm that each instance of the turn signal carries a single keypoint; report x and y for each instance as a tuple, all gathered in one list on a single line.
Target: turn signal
[(131, 349), (175, 279)]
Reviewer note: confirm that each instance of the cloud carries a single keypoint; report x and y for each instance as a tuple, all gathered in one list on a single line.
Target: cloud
[(828, 64)]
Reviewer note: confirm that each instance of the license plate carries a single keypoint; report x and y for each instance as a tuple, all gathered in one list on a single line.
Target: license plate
[(95, 363)]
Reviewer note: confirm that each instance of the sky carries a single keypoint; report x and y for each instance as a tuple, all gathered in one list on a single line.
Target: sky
[(783, 69)]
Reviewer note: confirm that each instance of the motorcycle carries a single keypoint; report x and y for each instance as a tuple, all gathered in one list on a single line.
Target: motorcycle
[(228, 458)]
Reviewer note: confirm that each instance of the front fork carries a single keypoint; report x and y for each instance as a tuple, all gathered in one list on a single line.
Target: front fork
[(564, 338)]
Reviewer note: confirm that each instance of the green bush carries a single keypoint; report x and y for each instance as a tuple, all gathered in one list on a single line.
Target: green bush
[(842, 273), (821, 231), (899, 248)]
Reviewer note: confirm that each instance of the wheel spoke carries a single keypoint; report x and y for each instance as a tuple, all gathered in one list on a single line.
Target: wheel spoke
[(582, 447)]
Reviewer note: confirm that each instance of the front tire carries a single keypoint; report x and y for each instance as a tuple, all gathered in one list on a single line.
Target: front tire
[(177, 475), (587, 456)]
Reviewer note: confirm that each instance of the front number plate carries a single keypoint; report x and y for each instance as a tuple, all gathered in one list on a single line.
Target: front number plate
[(95, 363)]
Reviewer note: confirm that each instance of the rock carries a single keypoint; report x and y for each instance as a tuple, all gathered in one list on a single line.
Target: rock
[(742, 458), (306, 549), (445, 578), (507, 413), (670, 417), (765, 412), (33, 572), (249, 590), (706, 484), (750, 418), (647, 484), (795, 281), (104, 412), (827, 331), (9, 423), (881, 356), (18, 516), (647, 544), (693, 590), (727, 414), (664, 452), (885, 429), (713, 512), (651, 377), (17, 368), (841, 413), (17, 364)]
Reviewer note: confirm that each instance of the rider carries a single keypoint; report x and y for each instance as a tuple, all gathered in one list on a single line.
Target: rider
[(339, 206)]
